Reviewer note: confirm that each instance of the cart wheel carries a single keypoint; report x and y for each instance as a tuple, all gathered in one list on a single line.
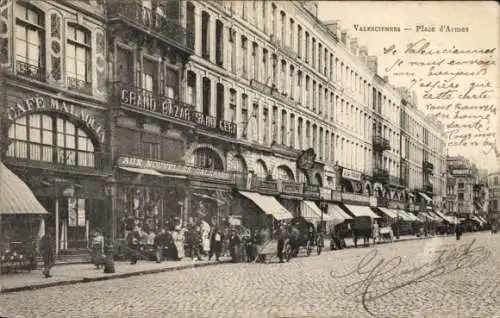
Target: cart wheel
[(288, 252), (308, 248)]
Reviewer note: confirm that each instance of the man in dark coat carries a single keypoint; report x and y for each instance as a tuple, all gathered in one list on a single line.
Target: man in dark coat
[(234, 246), (47, 249), (133, 239), (215, 243)]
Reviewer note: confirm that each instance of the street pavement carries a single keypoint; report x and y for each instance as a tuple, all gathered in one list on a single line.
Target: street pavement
[(438, 277)]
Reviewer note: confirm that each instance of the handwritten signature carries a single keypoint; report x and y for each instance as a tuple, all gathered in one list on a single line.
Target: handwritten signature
[(379, 277)]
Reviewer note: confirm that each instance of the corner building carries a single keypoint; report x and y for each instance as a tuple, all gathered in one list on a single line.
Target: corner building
[(53, 111)]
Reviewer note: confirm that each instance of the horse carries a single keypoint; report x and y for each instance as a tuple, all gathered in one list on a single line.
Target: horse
[(366, 234)]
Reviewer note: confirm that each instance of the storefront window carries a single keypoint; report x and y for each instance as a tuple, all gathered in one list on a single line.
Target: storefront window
[(52, 139), (207, 158)]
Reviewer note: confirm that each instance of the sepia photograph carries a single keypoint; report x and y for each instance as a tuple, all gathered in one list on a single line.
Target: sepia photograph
[(258, 158)]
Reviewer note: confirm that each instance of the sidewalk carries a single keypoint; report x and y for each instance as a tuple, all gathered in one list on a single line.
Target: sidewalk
[(66, 274), (84, 273)]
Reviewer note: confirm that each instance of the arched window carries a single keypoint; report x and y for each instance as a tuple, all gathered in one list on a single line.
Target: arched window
[(284, 173), (207, 158), (261, 169), (237, 164), (50, 138)]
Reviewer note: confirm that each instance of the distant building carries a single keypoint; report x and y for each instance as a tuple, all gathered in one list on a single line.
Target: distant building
[(494, 196)]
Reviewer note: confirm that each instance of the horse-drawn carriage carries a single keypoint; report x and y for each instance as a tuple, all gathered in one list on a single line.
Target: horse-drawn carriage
[(303, 235), (362, 228)]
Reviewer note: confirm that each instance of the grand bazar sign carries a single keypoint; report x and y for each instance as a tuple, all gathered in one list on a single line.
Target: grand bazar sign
[(51, 104), (170, 167), (173, 109)]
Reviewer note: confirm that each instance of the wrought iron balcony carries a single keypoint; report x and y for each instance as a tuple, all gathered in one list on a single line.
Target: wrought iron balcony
[(428, 166), (380, 143), (35, 72), (266, 186), (381, 175), (81, 86), (151, 22), (152, 102), (291, 187)]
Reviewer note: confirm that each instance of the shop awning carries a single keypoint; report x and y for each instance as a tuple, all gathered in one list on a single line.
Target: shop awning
[(310, 210), (269, 205), (393, 214), (336, 215), (404, 216), (15, 195), (482, 219), (412, 216), (360, 210), (425, 196), (444, 217), (475, 218)]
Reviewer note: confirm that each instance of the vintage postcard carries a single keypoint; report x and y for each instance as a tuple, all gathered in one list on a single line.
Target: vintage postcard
[(188, 158)]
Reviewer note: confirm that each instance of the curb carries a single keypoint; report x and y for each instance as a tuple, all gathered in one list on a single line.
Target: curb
[(103, 278)]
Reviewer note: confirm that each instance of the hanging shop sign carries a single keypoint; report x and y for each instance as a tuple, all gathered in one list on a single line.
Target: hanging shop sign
[(41, 103), (170, 108), (336, 196), (306, 159), (351, 174), (171, 167), (325, 194)]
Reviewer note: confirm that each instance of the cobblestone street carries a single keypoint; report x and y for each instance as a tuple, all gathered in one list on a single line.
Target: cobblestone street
[(307, 286)]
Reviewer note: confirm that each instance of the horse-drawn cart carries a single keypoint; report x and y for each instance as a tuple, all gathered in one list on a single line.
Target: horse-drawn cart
[(303, 235)]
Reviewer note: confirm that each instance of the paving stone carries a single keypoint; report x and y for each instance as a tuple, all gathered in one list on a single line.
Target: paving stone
[(302, 288)]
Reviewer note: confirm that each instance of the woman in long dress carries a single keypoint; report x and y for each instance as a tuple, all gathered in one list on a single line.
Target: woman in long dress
[(178, 236), (205, 236)]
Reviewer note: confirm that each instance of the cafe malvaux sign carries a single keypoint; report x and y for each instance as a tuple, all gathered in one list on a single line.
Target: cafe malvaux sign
[(49, 104), (171, 167)]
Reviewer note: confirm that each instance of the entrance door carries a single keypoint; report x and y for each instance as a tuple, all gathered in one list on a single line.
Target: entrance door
[(75, 227)]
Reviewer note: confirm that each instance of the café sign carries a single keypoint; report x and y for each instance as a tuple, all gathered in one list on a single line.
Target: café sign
[(41, 103), (351, 174), (460, 172), (171, 167), (173, 109)]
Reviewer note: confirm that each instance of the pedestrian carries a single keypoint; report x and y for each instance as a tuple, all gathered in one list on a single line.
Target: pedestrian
[(458, 231), (47, 249), (97, 250), (234, 246), (215, 243), (281, 236), (160, 245), (178, 236), (375, 232), (133, 240)]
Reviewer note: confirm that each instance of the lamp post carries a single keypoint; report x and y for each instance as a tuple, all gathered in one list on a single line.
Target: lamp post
[(110, 191)]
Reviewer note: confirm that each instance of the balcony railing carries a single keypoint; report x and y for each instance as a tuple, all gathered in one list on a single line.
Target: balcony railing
[(291, 187), (381, 175), (151, 22), (35, 72), (56, 157), (81, 86), (380, 143), (148, 101), (427, 165), (266, 186)]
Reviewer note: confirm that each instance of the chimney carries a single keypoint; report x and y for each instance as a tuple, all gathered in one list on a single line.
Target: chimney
[(372, 63), (343, 36), (334, 27), (354, 46)]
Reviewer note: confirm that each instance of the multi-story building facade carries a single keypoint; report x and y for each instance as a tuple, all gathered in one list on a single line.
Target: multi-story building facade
[(423, 156), (494, 197), (467, 188), (53, 92), (170, 105)]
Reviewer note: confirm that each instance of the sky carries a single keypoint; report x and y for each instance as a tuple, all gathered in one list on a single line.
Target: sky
[(481, 19)]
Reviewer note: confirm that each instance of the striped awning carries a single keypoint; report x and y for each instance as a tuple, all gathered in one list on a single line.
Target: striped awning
[(336, 215), (425, 196), (393, 214), (269, 205), (15, 195), (309, 210), (404, 216), (361, 210)]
